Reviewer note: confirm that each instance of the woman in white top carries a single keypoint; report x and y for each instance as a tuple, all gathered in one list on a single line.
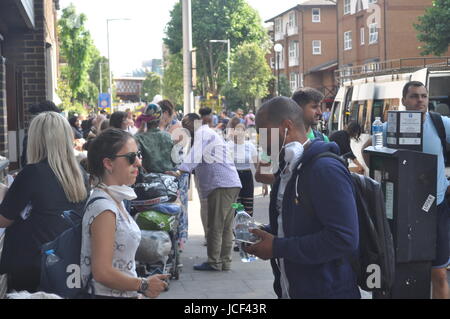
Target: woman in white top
[(245, 155), (110, 235)]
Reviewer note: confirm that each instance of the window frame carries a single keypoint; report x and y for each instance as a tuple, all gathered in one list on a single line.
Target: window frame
[(372, 39), (347, 7), (315, 47), (348, 42), (316, 15), (362, 36)]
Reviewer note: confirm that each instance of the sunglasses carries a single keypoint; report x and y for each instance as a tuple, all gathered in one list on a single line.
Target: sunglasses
[(131, 157)]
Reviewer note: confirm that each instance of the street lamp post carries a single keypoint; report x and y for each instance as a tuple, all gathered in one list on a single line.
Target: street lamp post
[(109, 56), (228, 55), (278, 48)]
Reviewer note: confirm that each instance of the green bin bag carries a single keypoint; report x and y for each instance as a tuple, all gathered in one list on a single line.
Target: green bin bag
[(155, 221)]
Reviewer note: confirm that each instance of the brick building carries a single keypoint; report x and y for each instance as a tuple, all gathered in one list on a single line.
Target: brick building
[(372, 33), (308, 36), (28, 67)]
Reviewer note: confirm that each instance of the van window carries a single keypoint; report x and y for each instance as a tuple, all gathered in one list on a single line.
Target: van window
[(347, 106), (366, 123), (335, 117), (377, 109), (354, 113)]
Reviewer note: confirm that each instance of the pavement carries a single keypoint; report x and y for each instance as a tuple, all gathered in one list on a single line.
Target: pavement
[(244, 281)]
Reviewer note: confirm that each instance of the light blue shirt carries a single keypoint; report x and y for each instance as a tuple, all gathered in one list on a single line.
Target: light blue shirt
[(432, 145), (210, 159)]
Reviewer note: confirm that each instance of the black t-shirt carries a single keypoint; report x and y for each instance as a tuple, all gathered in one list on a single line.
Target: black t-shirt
[(342, 139), (38, 186)]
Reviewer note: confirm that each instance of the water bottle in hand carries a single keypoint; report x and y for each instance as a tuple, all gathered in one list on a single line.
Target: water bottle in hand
[(243, 222)]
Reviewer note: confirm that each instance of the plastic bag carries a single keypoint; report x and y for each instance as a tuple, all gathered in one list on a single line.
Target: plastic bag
[(154, 248), (151, 186), (155, 221)]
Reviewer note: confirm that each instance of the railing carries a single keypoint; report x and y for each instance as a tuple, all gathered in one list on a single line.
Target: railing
[(328, 91), (391, 67)]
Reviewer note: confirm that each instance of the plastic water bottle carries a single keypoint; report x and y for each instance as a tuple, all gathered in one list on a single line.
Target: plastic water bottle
[(51, 258), (377, 131), (243, 222)]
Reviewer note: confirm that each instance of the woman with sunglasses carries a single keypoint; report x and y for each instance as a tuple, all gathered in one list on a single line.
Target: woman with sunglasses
[(110, 235)]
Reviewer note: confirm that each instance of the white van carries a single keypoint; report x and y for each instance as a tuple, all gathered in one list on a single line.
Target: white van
[(364, 99)]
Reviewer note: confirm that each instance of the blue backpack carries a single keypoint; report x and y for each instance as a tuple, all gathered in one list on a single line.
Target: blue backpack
[(60, 261)]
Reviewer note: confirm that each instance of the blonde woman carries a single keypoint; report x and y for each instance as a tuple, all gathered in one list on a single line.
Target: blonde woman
[(51, 183)]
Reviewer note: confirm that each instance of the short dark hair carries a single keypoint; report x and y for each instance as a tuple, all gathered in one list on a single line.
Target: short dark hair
[(44, 106), (279, 109), (166, 106), (305, 96), (106, 145), (205, 111), (411, 84), (117, 119)]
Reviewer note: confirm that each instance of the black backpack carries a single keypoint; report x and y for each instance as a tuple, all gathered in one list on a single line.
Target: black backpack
[(376, 245), (63, 277), (436, 118)]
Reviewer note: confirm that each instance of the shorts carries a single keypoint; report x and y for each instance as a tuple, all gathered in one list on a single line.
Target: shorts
[(443, 240)]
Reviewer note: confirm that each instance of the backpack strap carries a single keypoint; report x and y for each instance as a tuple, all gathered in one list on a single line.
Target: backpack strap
[(318, 135), (436, 118), (67, 215)]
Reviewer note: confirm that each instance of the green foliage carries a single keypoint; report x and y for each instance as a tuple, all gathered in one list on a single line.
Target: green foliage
[(94, 71), (434, 28), (173, 80), (285, 87), (215, 20), (65, 95), (251, 72), (233, 99), (151, 86), (76, 48)]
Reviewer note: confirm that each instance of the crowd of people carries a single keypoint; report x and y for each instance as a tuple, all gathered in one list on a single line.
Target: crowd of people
[(308, 250)]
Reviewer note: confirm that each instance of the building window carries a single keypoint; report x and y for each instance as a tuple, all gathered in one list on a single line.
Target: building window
[(348, 40), (372, 1), (362, 36), (373, 33), (317, 47), (292, 20), (293, 53), (316, 15), (278, 25), (347, 7), (272, 62), (294, 81)]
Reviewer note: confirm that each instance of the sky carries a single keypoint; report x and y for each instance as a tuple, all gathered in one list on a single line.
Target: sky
[(140, 39)]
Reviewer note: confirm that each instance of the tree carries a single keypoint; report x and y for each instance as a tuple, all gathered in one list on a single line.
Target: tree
[(251, 72), (76, 49), (151, 86), (233, 99), (434, 28), (215, 20), (173, 79), (94, 71)]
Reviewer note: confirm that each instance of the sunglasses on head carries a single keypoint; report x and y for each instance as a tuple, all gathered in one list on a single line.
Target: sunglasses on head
[(131, 157)]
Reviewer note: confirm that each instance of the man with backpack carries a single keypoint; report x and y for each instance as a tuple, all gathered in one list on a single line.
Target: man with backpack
[(310, 250), (436, 133)]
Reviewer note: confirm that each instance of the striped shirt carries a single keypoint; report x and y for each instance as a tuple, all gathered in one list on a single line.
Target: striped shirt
[(211, 161)]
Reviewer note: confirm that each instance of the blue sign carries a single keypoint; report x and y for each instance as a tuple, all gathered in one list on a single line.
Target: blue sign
[(104, 100)]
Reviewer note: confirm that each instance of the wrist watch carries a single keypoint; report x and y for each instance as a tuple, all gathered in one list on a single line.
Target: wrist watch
[(143, 286)]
